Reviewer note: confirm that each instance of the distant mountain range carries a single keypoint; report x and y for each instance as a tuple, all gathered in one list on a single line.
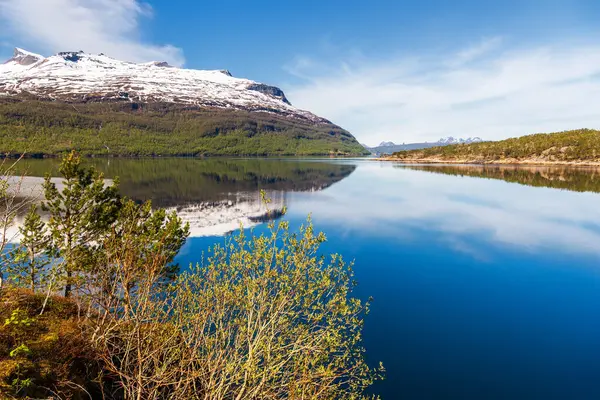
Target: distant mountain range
[(391, 147)]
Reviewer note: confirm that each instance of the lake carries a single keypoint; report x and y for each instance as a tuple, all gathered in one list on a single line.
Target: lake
[(486, 280)]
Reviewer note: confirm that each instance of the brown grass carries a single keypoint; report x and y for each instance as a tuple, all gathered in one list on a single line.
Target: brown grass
[(59, 362)]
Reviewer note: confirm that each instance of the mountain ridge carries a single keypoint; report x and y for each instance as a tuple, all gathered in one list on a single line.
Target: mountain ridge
[(103, 106), (80, 76)]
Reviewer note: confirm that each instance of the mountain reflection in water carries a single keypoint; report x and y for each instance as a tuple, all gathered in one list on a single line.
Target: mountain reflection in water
[(213, 195)]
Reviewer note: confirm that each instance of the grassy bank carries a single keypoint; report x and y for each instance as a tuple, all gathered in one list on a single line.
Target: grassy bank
[(45, 353)]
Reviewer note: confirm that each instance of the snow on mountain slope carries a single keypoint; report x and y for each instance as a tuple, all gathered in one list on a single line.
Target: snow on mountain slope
[(452, 140), (78, 76)]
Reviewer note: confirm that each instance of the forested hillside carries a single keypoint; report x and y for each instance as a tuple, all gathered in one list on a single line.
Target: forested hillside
[(46, 128), (577, 146)]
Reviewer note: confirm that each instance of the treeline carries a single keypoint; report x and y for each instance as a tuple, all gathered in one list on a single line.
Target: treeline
[(93, 306), (46, 128), (569, 146)]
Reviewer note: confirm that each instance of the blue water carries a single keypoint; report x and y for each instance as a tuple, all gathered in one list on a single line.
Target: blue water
[(483, 289)]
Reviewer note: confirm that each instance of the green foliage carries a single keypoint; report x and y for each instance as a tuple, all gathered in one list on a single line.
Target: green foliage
[(91, 233), (570, 146), (281, 319), (265, 317), (20, 350), (128, 129), (141, 243), (80, 212), (18, 318), (19, 325)]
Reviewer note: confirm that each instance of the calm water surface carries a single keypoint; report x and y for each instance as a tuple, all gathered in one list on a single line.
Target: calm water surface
[(486, 281)]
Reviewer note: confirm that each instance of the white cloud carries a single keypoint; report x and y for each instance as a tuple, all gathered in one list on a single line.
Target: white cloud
[(95, 26), (474, 52), (485, 90)]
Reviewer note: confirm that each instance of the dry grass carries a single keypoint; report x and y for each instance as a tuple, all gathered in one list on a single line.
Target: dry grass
[(57, 358)]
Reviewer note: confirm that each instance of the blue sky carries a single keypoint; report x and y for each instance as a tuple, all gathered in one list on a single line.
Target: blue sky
[(386, 70)]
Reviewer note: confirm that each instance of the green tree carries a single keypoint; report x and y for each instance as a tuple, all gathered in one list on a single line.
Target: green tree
[(28, 261), (140, 245), (81, 212)]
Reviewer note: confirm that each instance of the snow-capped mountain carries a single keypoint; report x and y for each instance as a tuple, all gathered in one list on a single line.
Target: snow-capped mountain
[(452, 140), (82, 77)]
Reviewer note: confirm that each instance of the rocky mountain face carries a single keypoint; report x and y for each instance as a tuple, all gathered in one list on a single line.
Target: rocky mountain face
[(391, 147)]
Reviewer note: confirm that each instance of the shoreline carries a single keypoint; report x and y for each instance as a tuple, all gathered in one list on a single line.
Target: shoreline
[(188, 156), (491, 162)]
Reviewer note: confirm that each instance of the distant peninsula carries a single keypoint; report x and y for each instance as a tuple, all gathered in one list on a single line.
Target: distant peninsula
[(576, 147), (386, 148)]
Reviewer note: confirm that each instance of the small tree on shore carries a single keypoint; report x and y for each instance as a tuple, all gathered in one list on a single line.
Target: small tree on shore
[(28, 261), (80, 213), (139, 248)]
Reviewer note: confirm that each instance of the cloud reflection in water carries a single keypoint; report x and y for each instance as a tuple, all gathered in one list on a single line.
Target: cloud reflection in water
[(380, 199)]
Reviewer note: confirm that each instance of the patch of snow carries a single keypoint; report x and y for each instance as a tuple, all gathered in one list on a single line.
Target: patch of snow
[(452, 140), (28, 53)]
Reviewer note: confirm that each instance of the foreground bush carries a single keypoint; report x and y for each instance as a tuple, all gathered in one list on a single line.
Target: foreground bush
[(263, 318)]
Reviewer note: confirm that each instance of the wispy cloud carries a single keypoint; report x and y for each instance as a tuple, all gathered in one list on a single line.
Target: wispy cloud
[(107, 26), (487, 89), (475, 52)]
